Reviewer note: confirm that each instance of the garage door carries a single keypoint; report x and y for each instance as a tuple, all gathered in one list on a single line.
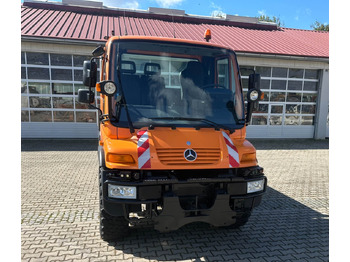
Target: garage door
[(50, 109), (289, 106)]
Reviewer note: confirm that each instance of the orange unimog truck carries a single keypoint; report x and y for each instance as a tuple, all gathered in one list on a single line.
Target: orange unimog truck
[(172, 129)]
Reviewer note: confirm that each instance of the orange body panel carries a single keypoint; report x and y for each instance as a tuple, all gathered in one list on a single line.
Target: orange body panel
[(166, 143)]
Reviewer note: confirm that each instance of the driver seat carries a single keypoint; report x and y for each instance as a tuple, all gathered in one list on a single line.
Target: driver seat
[(196, 100), (195, 72)]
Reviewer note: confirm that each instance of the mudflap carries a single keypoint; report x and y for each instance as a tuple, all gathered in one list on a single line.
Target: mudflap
[(173, 216)]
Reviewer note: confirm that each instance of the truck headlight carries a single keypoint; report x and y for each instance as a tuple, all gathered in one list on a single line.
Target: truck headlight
[(255, 186), (126, 192)]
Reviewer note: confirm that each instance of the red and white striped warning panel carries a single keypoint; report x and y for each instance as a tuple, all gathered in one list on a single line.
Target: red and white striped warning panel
[(143, 151), (232, 151)]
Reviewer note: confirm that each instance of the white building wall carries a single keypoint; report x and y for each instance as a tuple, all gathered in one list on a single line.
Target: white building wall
[(59, 130), (322, 126), (69, 48)]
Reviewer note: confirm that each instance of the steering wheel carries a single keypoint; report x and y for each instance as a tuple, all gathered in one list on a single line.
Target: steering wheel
[(213, 86)]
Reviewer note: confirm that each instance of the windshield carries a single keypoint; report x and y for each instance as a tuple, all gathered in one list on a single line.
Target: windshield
[(167, 84)]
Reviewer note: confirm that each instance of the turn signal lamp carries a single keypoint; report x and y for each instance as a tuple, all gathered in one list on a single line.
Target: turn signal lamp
[(207, 35), (248, 157), (98, 87), (262, 95), (122, 159)]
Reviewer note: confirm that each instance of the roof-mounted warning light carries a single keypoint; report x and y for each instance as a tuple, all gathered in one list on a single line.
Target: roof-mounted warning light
[(207, 35)]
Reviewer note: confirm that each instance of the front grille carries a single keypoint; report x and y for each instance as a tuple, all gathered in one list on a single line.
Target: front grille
[(175, 156)]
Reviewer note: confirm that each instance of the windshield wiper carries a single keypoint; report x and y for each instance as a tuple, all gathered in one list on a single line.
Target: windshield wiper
[(212, 123)]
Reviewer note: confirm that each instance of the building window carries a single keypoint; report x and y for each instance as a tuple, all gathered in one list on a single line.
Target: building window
[(39, 88), (279, 84), (41, 116), (295, 73), (259, 120), (84, 116), (24, 116), (37, 58), (295, 85), (61, 60), (279, 72), (49, 88), (63, 116), (38, 73)]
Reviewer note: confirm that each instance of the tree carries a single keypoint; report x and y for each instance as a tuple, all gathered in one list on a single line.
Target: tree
[(273, 19), (320, 27)]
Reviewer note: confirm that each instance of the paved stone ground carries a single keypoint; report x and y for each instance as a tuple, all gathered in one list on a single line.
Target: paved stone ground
[(60, 210)]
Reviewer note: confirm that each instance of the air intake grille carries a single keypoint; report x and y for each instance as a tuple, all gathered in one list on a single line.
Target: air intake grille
[(175, 156)]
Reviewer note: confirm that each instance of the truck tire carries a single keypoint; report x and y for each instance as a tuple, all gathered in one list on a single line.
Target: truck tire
[(111, 227)]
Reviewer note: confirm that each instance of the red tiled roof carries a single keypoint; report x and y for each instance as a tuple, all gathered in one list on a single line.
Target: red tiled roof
[(63, 22)]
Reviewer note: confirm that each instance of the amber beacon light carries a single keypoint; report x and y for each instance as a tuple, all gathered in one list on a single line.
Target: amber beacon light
[(207, 35)]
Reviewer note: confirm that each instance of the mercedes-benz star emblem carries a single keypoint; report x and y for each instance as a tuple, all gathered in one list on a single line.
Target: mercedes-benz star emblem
[(190, 155)]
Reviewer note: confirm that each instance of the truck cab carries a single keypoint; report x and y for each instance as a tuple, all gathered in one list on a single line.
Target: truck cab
[(172, 135)]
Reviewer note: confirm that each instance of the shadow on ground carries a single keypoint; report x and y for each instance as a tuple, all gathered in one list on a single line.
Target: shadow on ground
[(280, 228), (28, 145), (289, 144)]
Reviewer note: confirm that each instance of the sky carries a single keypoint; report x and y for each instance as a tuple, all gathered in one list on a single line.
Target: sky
[(300, 14)]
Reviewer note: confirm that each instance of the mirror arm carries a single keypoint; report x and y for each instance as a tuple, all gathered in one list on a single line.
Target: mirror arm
[(98, 109), (249, 112)]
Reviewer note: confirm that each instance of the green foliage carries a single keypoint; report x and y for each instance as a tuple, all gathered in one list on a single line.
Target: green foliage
[(273, 19), (320, 27)]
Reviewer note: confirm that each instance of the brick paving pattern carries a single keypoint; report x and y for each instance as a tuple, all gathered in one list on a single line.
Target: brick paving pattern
[(60, 210)]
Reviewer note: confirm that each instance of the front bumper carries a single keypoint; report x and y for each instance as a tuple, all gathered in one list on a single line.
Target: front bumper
[(173, 202)]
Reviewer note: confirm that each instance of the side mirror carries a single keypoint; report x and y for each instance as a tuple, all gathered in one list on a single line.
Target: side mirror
[(253, 95), (254, 81), (86, 96), (100, 50), (89, 73)]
